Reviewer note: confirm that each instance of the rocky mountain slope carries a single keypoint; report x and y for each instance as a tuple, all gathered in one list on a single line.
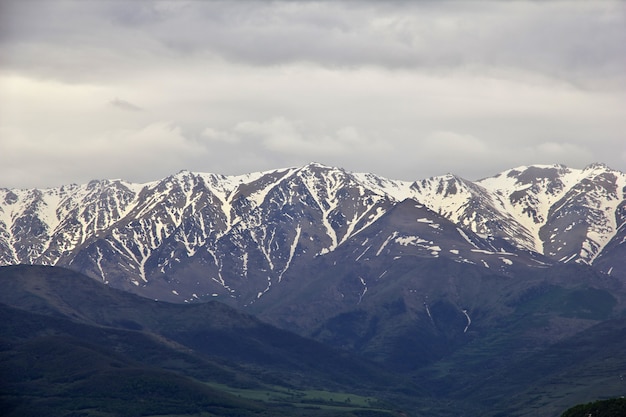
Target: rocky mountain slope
[(197, 236)]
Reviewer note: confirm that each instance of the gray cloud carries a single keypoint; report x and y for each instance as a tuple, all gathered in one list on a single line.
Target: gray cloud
[(124, 105), (573, 40), (402, 89)]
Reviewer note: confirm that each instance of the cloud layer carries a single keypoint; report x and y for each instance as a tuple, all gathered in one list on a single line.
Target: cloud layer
[(139, 90)]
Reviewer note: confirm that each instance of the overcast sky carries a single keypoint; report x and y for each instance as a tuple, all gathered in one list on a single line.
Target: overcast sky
[(140, 90)]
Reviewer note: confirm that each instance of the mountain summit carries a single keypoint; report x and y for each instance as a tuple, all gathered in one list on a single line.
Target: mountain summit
[(194, 236)]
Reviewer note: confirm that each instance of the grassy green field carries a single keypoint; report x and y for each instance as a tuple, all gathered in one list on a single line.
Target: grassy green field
[(307, 398)]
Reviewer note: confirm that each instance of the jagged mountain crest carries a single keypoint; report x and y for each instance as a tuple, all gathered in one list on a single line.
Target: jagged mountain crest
[(239, 235), (472, 206), (552, 201)]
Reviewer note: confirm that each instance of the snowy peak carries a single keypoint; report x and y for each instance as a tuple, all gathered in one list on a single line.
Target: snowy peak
[(40, 225), (473, 207), (528, 193), (570, 213), (449, 195), (585, 218)]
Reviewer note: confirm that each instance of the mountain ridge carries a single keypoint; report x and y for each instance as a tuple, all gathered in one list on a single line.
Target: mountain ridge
[(237, 236)]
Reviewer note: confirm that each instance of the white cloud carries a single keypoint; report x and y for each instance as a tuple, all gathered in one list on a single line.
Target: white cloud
[(402, 89), (286, 137), (549, 152), (149, 153), (443, 143)]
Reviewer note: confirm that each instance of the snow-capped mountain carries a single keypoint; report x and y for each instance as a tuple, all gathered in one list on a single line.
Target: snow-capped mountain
[(565, 214), (195, 235)]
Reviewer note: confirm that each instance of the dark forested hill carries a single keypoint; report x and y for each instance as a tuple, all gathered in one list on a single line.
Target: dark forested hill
[(69, 344)]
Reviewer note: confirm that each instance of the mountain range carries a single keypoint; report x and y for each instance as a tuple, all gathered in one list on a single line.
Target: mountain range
[(198, 236), (515, 280)]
